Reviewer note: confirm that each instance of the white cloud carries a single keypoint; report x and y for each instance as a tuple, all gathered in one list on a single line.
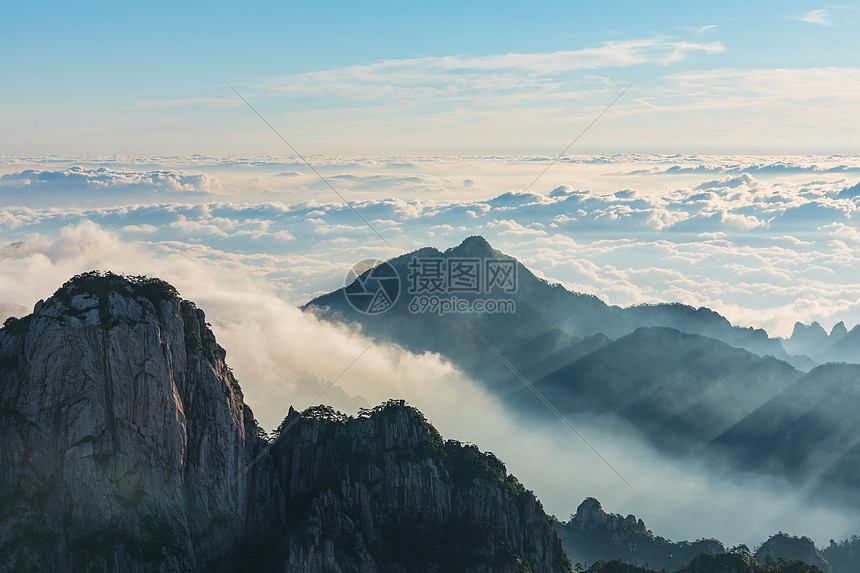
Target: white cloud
[(760, 243), (819, 16), (454, 77), (77, 178), (701, 29)]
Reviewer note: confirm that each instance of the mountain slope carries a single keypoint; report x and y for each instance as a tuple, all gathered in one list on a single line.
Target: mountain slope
[(683, 377), (384, 492), (541, 308), (592, 535), (682, 390), (127, 447), (841, 345), (809, 432)]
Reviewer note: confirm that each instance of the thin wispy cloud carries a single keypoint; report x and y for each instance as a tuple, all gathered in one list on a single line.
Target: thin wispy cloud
[(210, 102), (453, 76), (700, 29), (819, 16), (83, 179)]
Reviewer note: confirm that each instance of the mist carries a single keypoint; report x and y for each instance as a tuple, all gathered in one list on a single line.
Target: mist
[(284, 357)]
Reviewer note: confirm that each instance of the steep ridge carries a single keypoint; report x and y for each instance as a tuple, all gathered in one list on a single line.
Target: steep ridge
[(841, 345), (792, 548), (394, 497), (541, 308), (685, 378), (127, 446), (809, 432), (121, 425), (682, 390)]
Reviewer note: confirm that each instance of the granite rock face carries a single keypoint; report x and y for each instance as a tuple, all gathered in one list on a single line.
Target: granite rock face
[(399, 498), (121, 428), (127, 446)]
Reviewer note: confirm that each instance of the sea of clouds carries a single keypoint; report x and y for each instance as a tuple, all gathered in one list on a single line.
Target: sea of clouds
[(765, 241)]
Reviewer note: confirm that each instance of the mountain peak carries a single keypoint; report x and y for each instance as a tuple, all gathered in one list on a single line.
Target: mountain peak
[(839, 330), (75, 292), (474, 246), (103, 283)]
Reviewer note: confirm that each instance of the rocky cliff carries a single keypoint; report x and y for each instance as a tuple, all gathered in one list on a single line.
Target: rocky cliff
[(792, 548), (384, 492), (593, 535), (121, 425), (126, 446)]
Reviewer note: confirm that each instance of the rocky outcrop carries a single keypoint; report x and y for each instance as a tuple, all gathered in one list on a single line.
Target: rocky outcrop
[(121, 428), (844, 556), (593, 535), (384, 492), (792, 548), (126, 446)]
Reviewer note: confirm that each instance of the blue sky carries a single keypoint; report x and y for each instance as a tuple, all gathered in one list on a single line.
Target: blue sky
[(478, 77)]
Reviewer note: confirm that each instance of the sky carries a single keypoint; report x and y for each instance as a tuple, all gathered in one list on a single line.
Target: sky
[(714, 161), (442, 77)]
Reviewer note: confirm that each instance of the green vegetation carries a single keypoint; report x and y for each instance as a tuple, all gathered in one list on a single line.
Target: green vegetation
[(153, 289), (737, 560), (325, 413), (192, 343), (17, 326), (466, 462), (101, 285)]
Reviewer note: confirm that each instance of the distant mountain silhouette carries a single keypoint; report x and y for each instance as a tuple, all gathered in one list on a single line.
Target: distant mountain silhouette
[(682, 390), (841, 345), (558, 324), (809, 432), (688, 379)]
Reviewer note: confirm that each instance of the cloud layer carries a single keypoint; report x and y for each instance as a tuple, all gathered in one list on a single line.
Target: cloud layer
[(765, 241), (284, 357), (82, 180)]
